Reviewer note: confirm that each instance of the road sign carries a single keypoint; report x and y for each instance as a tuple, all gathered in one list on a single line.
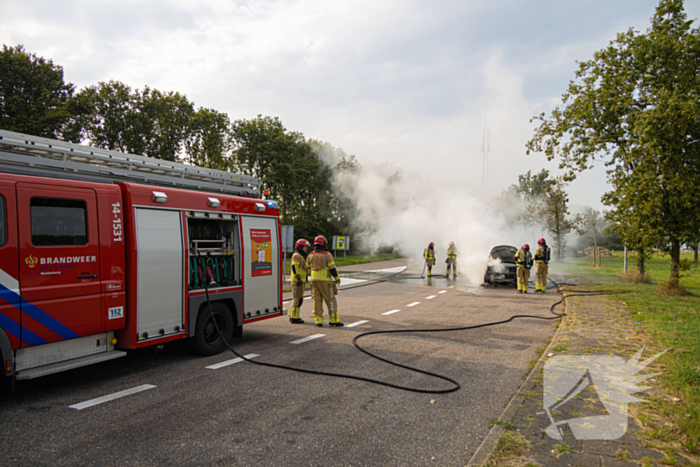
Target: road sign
[(341, 243), (287, 246), (288, 238)]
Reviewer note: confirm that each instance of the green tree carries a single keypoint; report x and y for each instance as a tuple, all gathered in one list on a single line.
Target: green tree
[(524, 200), (286, 163), (34, 98), (148, 123), (110, 117), (635, 105), (209, 140), (554, 212), (165, 121)]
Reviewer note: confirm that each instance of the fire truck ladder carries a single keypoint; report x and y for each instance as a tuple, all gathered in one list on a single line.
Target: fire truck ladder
[(45, 156)]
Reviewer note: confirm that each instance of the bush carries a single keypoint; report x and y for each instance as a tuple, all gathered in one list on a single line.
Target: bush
[(635, 278), (672, 289)]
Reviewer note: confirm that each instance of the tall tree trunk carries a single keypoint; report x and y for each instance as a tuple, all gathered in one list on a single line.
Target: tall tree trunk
[(640, 262), (695, 249), (675, 263)]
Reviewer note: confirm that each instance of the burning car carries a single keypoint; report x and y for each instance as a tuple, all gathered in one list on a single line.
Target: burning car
[(500, 266)]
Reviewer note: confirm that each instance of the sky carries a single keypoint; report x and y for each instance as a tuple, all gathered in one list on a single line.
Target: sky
[(409, 83)]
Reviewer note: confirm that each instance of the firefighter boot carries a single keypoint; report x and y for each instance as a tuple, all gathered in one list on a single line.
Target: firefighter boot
[(334, 321), (296, 320)]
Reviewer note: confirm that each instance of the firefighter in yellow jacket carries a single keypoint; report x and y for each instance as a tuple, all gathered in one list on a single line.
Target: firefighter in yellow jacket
[(429, 255), (451, 261), (324, 280), (299, 273), (523, 261), (542, 255)]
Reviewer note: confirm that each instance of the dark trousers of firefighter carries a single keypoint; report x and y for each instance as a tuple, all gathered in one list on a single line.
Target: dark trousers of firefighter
[(523, 278), (297, 300), (451, 262), (541, 276), (322, 291)]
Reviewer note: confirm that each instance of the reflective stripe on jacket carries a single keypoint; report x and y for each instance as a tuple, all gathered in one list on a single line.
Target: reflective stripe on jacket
[(452, 252), (320, 263), (429, 254), (298, 267)]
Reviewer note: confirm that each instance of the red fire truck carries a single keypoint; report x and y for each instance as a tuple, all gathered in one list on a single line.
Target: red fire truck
[(101, 252)]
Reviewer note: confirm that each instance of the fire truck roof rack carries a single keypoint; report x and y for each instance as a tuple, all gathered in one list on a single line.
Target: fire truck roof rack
[(48, 156)]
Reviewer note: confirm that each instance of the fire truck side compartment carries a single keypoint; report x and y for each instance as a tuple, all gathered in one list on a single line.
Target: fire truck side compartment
[(261, 293), (160, 295)]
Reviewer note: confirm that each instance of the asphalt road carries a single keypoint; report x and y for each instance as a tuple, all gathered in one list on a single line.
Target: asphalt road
[(246, 414)]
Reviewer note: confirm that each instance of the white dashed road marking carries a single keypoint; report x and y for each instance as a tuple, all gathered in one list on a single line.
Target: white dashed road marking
[(216, 366), (306, 339), (431, 297), (111, 397), (443, 291), (413, 304), (391, 312), (356, 323)]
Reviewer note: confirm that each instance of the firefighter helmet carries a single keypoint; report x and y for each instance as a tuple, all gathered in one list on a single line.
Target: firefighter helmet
[(320, 240), (301, 243), (452, 243), (431, 244), (526, 247), (541, 241)]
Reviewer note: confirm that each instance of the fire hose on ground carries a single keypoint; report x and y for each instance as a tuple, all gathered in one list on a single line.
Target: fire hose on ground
[(455, 385)]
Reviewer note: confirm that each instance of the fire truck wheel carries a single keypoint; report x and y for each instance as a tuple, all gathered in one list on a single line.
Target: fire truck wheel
[(207, 340)]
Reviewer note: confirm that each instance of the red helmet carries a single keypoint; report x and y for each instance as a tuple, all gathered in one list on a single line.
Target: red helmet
[(301, 243), (431, 244), (320, 240), (541, 241), (452, 243), (526, 247)]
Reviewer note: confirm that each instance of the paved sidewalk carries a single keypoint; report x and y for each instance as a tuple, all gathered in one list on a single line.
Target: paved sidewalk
[(594, 326)]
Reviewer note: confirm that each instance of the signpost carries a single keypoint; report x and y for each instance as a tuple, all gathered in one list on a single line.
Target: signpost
[(287, 246), (341, 243)]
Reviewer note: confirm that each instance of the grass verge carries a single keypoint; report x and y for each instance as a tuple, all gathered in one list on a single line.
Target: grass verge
[(671, 418)]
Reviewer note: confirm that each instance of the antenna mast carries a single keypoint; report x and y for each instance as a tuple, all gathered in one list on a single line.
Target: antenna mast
[(485, 150)]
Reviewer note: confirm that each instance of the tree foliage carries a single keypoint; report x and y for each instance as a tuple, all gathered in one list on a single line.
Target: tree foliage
[(111, 115), (34, 98), (209, 141), (636, 107), (148, 122)]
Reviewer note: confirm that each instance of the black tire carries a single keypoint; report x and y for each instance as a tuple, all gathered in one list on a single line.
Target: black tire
[(207, 340)]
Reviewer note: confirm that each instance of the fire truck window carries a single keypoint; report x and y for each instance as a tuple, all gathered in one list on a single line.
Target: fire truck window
[(3, 225), (58, 222)]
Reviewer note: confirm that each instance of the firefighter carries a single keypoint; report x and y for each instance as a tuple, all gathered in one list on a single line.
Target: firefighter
[(542, 255), (324, 282), (429, 255), (451, 260), (299, 273), (523, 260)]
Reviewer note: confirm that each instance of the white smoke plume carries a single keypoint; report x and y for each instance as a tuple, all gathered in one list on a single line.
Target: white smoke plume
[(409, 210)]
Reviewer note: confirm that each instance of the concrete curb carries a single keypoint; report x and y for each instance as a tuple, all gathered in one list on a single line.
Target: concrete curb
[(487, 446)]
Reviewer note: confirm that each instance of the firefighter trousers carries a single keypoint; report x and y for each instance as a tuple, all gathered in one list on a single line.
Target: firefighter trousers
[(429, 264), (451, 262), (322, 291), (297, 300), (541, 270), (523, 278)]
